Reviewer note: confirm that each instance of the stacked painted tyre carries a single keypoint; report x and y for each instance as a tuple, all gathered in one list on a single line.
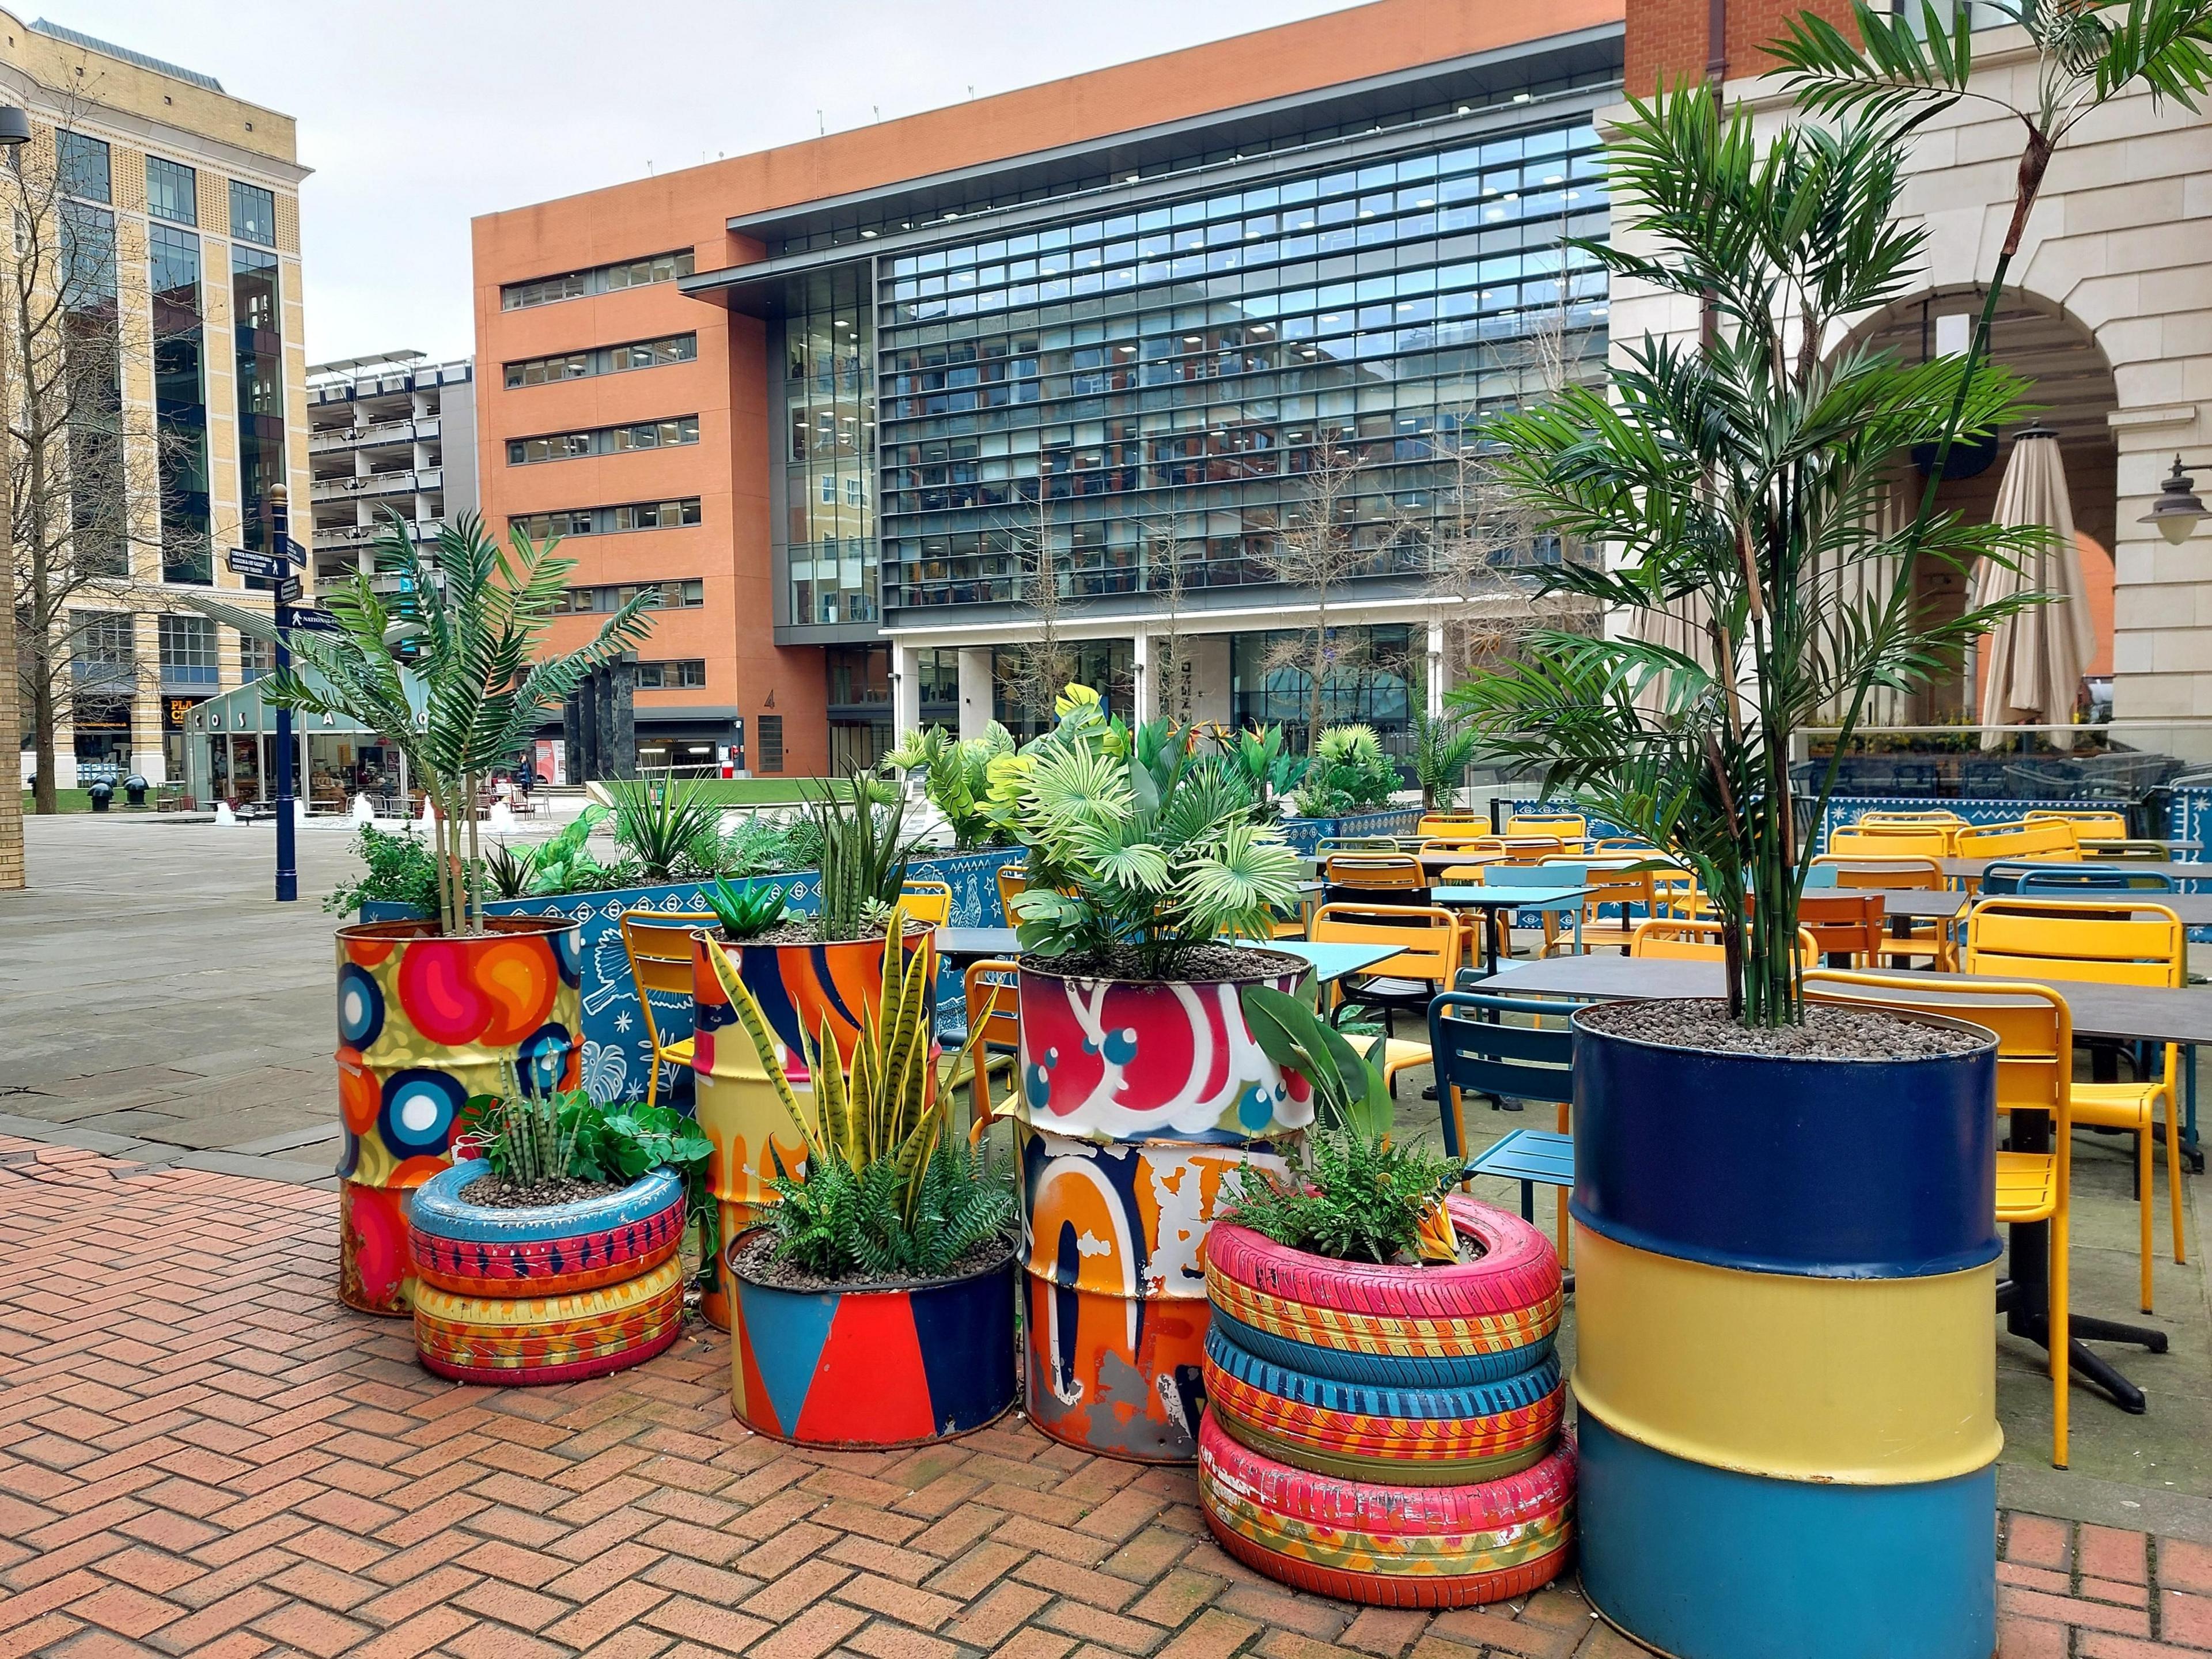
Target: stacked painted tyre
[(1784, 1380), (549, 1294), (1388, 1434)]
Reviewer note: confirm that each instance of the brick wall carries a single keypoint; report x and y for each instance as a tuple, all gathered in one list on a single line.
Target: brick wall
[(1672, 39)]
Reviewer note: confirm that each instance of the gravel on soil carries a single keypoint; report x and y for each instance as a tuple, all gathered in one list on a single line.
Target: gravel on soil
[(1830, 1031), (755, 1259), (1209, 963), (496, 1192)]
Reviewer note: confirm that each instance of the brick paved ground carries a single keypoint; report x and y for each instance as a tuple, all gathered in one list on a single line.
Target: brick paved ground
[(202, 1452)]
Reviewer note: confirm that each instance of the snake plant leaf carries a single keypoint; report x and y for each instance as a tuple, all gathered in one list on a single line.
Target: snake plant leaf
[(764, 1042)]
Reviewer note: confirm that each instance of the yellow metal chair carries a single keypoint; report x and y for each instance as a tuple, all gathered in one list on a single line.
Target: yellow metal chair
[(2050, 841), (1929, 939), (2103, 942), (1014, 882), (2035, 1067), (1534, 849), (1932, 815), (1453, 828), (2090, 823), (991, 989), (1665, 939), (1571, 828), (1427, 943), (659, 945), (927, 901), (1893, 840), (1676, 895)]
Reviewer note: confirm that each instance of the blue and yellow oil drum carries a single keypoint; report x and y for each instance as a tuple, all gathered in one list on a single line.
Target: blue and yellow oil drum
[(1785, 1371)]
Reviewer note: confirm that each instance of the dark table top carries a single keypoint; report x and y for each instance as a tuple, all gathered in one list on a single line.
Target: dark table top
[(2193, 870), (2194, 909), (2128, 1011)]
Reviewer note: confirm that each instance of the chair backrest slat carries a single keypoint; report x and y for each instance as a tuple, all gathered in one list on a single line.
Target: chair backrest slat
[(1913, 875), (1426, 938), (2108, 941)]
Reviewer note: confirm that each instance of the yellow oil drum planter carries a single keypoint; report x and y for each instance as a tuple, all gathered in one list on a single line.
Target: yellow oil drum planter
[(1136, 1099), (873, 1367), (425, 1022), (549, 1293), (798, 986), (1389, 1434), (1784, 1377)]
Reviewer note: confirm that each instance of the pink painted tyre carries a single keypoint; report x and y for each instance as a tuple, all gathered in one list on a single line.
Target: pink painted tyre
[(516, 1339), (1388, 1545), (1391, 1326)]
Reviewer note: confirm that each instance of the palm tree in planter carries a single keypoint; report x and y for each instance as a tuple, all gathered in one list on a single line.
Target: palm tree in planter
[(807, 974), (452, 673), (1140, 1085), (1382, 1401), (1817, 1190), (874, 1306)]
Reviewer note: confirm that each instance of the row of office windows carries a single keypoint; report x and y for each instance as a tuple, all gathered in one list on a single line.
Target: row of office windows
[(603, 360), (604, 441), (609, 520), (86, 167), (104, 647), (684, 674), (677, 594), (599, 279)]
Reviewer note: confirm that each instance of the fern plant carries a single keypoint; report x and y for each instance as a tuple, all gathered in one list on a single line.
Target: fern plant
[(885, 1191), (1140, 851), (1358, 1197)]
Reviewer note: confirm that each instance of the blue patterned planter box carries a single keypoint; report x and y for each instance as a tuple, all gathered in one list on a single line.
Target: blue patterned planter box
[(617, 1053), (1307, 834)]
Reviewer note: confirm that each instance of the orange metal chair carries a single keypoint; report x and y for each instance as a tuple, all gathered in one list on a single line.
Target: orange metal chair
[(1375, 873), (1622, 888), (2090, 823), (1697, 941), (927, 901), (2035, 1068), (659, 945), (1427, 942), (1843, 922), (991, 987), (2104, 942), (1928, 939), (1572, 829)]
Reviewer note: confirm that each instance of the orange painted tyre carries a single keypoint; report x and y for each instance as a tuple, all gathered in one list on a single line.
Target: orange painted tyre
[(1395, 1327), (1388, 1545), (522, 1339), (1414, 1436)]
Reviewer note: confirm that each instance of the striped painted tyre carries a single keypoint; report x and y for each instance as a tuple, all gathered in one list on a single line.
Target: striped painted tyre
[(517, 1339), (1391, 1546), (1394, 1327), (474, 1249), (1413, 1436)]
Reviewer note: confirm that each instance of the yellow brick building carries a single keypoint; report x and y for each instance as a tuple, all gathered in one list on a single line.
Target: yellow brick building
[(199, 192)]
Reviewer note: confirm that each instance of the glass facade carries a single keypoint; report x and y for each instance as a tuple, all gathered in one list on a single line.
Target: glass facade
[(260, 366), (829, 422), (1369, 678), (180, 401), (99, 516), (1163, 377)]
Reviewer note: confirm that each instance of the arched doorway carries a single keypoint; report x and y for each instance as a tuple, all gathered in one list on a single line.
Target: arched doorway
[(2072, 380)]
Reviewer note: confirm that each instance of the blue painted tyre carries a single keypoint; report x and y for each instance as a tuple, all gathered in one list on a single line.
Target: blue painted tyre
[(473, 1249), (1384, 1370), (1413, 1436)]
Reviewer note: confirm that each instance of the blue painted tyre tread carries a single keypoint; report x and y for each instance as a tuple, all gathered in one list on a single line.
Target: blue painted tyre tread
[(1515, 1391), (1385, 1370), (438, 1209)]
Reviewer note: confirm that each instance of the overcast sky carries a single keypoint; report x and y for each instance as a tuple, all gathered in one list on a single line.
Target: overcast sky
[(418, 114)]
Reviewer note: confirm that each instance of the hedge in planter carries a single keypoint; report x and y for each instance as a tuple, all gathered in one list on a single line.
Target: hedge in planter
[(1383, 1407), (555, 1255), (1141, 1083), (876, 1306)]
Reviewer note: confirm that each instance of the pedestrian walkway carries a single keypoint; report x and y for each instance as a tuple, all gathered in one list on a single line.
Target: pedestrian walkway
[(203, 1453)]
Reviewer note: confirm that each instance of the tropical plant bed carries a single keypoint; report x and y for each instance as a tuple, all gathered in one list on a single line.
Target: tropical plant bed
[(757, 1256), (1196, 964), (493, 1191)]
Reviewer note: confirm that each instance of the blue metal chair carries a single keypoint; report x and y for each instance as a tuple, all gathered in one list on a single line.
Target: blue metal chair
[(2061, 880), (1512, 1048)]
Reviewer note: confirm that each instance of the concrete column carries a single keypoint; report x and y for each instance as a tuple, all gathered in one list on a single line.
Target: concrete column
[(621, 759), (572, 738), (1210, 689), (975, 698), (584, 762), (1437, 671), (1140, 677), (906, 692)]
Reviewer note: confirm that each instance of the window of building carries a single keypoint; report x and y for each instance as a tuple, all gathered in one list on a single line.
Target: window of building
[(103, 650), (180, 414), (253, 212), (172, 192), (599, 279), (84, 163), (258, 368), (604, 441), (188, 652), (689, 673), (610, 520), (606, 360), (936, 674), (770, 730), (676, 595), (255, 658)]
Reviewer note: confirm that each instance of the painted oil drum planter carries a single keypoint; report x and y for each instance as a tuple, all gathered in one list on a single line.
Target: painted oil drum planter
[(1784, 1379), (1136, 1099), (1389, 1433), (545, 1293), (873, 1366), (798, 985), (425, 1022)]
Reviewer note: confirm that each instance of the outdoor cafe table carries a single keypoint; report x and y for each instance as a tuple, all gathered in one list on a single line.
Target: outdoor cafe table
[(1329, 961), (2127, 1013), (2190, 869), (1489, 899)]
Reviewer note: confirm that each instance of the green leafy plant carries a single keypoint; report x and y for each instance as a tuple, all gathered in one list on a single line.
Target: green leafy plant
[(452, 672), (758, 846), (1260, 758), (398, 868), (564, 863), (672, 827), (863, 857), (956, 777), (1137, 853), (745, 913), (1443, 748), (885, 1190), (1358, 1198), (1349, 773), (529, 1138), (1348, 1088), (508, 869)]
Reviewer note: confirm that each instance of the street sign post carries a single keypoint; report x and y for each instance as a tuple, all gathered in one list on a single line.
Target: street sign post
[(262, 567), (314, 619), (290, 590), (280, 569)]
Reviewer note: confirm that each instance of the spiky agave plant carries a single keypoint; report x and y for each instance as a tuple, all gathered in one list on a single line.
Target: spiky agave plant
[(864, 856), (885, 1190), (451, 672)]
